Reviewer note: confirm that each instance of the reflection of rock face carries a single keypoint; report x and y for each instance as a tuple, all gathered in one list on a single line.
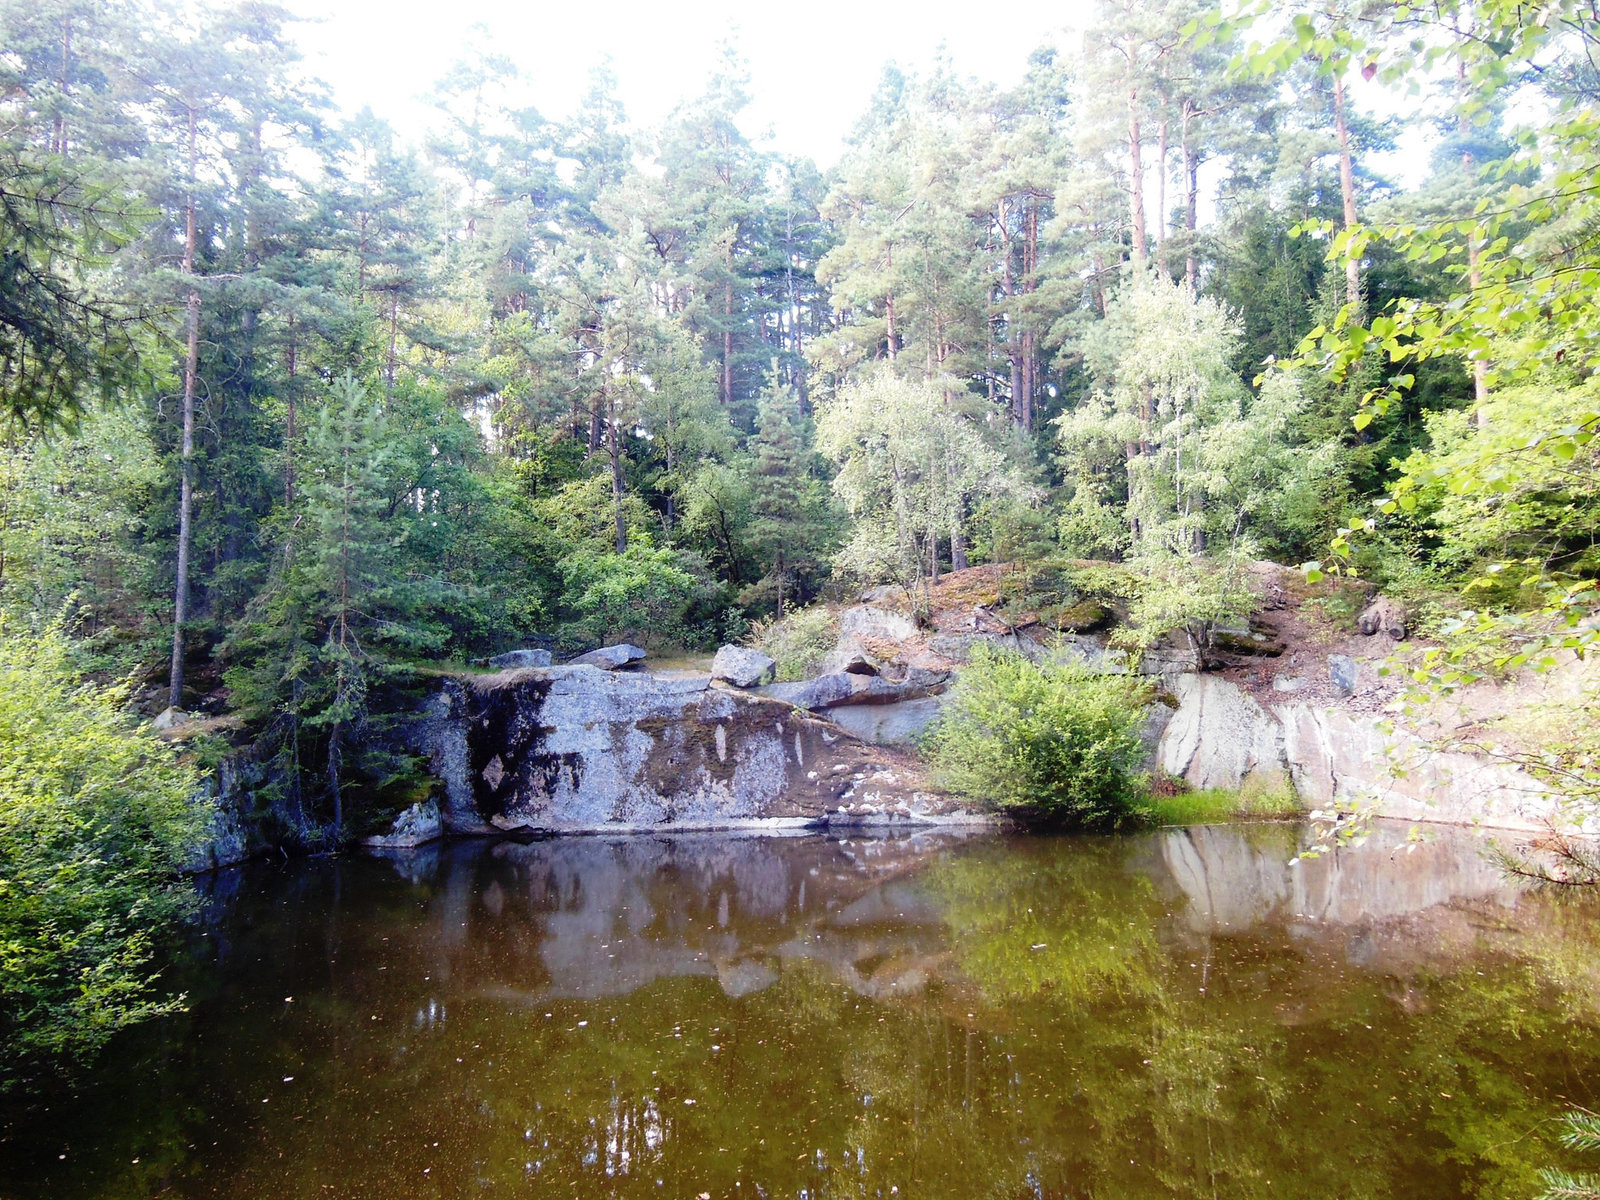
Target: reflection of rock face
[(575, 748), (607, 916), (1374, 899), (583, 918)]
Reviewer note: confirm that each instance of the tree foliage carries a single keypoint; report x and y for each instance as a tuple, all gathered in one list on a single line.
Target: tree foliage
[(96, 817), (1051, 741)]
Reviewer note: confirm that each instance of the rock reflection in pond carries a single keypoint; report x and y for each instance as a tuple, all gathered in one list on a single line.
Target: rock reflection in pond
[(952, 1016)]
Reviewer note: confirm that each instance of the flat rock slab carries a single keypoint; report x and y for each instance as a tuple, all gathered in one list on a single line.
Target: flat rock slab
[(843, 688), (610, 658), (898, 724)]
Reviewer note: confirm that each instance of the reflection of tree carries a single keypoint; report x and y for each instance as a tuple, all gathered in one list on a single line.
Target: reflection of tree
[(1056, 920), (1256, 1065), (1096, 1066)]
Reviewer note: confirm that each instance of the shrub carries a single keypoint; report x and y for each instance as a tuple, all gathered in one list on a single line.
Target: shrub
[(798, 641), (641, 593), (1052, 741), (96, 818)]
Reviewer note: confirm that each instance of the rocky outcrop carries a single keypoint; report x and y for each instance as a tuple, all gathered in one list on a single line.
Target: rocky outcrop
[(234, 834), (866, 621), (899, 724), (576, 748), (1220, 736)]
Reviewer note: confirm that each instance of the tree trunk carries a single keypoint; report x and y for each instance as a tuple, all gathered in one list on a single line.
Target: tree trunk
[(671, 517), (289, 419), (614, 440), (1030, 282), (958, 549), (1008, 287), (1161, 196), (58, 141), (727, 342), (191, 363), (1347, 189), (1136, 178), (888, 308), (1191, 196), (394, 324), (1480, 369)]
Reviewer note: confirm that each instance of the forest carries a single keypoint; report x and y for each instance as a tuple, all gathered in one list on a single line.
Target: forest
[(297, 412)]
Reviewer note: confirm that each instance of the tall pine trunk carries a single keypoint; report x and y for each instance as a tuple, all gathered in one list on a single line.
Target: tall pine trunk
[(191, 363), (1191, 205), (1347, 191), (1141, 248), (1161, 197)]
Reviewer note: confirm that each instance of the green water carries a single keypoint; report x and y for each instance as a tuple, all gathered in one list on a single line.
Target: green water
[(1180, 1014)]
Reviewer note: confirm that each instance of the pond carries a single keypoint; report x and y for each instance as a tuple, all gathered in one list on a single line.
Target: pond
[(1178, 1013)]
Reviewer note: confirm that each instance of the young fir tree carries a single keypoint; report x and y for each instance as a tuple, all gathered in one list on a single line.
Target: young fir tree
[(793, 523), (338, 618)]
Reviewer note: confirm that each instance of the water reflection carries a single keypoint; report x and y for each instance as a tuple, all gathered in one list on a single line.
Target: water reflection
[(946, 1015)]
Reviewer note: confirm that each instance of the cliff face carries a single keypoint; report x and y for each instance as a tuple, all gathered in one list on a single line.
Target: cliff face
[(1222, 736), (576, 748)]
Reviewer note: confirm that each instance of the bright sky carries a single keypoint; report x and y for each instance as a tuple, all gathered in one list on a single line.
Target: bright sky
[(813, 65)]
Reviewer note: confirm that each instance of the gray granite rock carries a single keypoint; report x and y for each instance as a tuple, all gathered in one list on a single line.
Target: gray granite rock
[(865, 620), (576, 748), (416, 826), (1344, 672), (609, 658), (899, 723), (822, 692), (517, 659), (742, 667)]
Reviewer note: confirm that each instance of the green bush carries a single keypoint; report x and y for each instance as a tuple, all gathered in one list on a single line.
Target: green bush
[(797, 641), (96, 819), (640, 594), (1052, 742)]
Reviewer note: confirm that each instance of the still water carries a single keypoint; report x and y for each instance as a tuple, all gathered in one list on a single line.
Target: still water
[(1180, 1013)]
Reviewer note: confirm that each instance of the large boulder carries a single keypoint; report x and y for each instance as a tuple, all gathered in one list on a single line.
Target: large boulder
[(610, 658), (868, 621), (170, 718), (1344, 672), (841, 688), (900, 723), (742, 667), (1220, 737), (514, 660)]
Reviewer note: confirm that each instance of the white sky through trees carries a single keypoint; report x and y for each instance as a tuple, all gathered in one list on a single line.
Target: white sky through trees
[(813, 67)]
